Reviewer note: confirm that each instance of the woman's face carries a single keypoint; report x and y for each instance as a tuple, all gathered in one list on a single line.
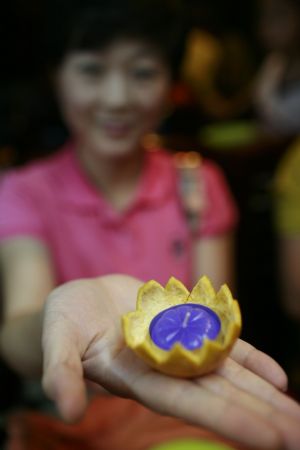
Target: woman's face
[(111, 98)]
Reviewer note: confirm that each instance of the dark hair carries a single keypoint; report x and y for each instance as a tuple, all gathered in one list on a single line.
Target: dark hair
[(67, 25), (92, 24)]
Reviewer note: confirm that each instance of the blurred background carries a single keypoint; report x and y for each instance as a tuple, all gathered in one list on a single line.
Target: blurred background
[(219, 108)]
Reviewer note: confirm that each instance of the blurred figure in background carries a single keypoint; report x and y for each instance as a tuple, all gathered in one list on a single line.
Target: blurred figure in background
[(277, 90), (287, 185), (219, 86), (218, 69), (287, 225)]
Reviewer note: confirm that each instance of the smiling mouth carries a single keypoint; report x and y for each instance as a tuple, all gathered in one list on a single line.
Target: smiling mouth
[(116, 129)]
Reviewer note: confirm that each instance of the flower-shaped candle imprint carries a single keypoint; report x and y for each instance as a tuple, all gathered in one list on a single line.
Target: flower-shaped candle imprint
[(181, 333)]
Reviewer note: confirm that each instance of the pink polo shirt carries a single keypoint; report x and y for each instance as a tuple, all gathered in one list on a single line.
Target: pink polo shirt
[(53, 200)]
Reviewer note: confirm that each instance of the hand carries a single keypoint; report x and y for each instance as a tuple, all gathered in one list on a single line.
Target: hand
[(82, 338)]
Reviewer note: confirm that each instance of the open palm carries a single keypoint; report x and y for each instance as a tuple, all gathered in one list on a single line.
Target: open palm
[(82, 339)]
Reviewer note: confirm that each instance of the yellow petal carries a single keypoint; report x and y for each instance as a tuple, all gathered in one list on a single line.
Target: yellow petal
[(151, 297), (176, 292), (222, 305), (224, 296), (203, 293), (135, 327)]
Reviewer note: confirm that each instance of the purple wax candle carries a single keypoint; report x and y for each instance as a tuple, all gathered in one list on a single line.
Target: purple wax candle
[(188, 324)]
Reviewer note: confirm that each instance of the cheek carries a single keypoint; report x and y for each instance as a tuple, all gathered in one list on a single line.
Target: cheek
[(75, 109), (77, 102), (74, 100), (153, 103)]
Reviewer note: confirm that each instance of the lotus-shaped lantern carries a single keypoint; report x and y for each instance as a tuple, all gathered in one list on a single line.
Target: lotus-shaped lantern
[(181, 333)]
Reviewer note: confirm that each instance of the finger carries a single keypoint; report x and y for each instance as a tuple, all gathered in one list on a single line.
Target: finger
[(62, 373), (260, 363), (65, 386), (249, 382), (197, 405), (194, 404), (287, 425)]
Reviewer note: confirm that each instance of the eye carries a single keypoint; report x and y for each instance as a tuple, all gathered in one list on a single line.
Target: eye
[(91, 69), (145, 73)]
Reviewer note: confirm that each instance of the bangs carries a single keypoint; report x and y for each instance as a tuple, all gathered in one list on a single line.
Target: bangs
[(92, 25)]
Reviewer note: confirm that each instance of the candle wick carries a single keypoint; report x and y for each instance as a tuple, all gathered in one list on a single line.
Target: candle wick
[(186, 319)]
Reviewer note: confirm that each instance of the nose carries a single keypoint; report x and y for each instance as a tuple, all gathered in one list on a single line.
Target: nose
[(115, 91)]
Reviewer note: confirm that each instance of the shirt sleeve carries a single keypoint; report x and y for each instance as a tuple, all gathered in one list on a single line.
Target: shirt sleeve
[(220, 213), (20, 214), (287, 192)]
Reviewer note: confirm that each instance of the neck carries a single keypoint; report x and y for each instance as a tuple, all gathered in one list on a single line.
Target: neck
[(116, 178)]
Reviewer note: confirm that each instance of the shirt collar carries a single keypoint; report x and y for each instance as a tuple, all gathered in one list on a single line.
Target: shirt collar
[(156, 183)]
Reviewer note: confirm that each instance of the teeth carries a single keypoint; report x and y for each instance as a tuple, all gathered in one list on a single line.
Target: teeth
[(114, 121)]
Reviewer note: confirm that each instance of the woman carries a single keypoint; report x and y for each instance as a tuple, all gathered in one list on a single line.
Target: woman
[(101, 206), (277, 90)]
